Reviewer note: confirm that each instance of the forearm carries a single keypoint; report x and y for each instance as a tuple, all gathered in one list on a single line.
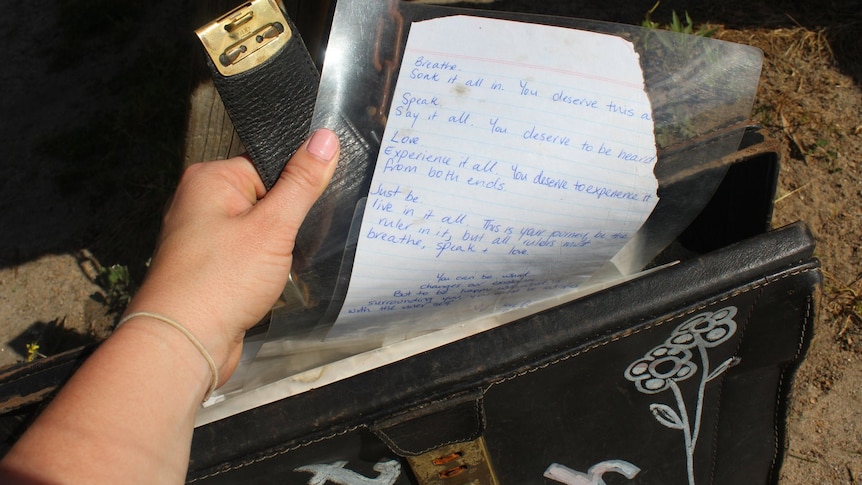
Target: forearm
[(126, 416), (223, 258)]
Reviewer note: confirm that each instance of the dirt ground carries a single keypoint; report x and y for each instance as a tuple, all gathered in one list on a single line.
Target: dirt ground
[(90, 100)]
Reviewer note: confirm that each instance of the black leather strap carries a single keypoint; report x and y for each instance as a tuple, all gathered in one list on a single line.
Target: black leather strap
[(456, 419), (271, 105)]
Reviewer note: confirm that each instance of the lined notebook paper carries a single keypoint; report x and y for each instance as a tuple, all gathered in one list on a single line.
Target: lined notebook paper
[(516, 161)]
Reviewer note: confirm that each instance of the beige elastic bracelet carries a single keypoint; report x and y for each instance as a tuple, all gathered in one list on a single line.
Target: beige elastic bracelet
[(197, 343)]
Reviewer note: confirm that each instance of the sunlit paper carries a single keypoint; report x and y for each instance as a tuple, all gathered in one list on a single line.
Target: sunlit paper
[(517, 160)]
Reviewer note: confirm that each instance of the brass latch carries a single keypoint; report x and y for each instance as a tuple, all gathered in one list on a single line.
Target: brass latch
[(246, 36), (458, 464)]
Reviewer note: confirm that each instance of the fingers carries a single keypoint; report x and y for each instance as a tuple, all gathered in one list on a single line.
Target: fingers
[(304, 178), (252, 178), (231, 186)]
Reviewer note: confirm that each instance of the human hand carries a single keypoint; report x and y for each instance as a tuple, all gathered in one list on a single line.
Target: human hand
[(225, 250)]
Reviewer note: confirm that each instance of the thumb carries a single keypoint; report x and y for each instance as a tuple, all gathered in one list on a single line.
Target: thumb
[(302, 181)]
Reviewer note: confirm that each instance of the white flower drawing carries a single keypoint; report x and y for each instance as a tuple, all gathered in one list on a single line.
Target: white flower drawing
[(666, 365)]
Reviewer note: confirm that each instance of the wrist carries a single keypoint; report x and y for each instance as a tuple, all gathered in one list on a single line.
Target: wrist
[(192, 339), (197, 317), (143, 334)]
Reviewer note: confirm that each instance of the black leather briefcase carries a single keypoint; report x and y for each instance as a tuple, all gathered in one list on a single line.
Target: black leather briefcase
[(678, 377)]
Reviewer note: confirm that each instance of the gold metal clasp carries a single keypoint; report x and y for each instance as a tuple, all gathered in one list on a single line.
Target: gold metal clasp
[(246, 36), (459, 464)]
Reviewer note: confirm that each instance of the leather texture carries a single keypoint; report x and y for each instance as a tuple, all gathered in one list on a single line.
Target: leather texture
[(613, 383), (431, 425), (682, 374), (271, 105)]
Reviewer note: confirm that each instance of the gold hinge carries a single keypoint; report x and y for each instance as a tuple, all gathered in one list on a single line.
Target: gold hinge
[(458, 464), (246, 36)]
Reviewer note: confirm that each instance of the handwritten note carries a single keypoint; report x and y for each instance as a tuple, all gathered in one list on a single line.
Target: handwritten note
[(517, 160)]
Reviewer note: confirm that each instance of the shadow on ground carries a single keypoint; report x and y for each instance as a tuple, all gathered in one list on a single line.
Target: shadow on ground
[(93, 124), (53, 337)]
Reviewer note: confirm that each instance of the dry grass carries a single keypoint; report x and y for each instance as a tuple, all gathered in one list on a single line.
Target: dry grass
[(810, 99)]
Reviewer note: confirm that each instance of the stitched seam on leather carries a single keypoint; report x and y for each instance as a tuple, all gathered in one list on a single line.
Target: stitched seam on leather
[(500, 381), (721, 386), (801, 344), (324, 438), (472, 436), (629, 333), (277, 453)]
